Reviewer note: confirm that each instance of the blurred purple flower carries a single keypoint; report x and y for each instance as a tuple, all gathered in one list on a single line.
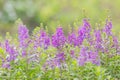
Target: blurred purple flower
[(12, 55), (72, 39), (88, 56), (6, 65), (58, 39), (98, 41), (55, 62), (98, 37), (23, 35), (94, 58), (12, 52), (60, 56), (84, 32), (115, 42), (83, 56), (108, 28), (43, 40), (81, 36)]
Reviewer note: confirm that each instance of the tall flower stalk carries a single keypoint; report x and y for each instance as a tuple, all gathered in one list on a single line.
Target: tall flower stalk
[(23, 36), (58, 39)]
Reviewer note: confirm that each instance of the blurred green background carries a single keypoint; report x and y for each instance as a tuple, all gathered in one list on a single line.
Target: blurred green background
[(56, 12)]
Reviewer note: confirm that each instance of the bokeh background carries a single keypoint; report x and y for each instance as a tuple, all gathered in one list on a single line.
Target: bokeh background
[(57, 12)]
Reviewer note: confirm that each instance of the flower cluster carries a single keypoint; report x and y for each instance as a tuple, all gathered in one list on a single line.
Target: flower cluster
[(88, 56), (42, 41), (74, 46), (12, 54), (23, 36), (58, 39)]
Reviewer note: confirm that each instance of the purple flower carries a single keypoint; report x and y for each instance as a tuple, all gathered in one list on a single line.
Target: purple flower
[(84, 32), (60, 56), (55, 62), (23, 35), (86, 26), (81, 36), (12, 54), (43, 40), (93, 57), (11, 51), (88, 56), (6, 65), (58, 39), (98, 37), (108, 28), (115, 42), (72, 39), (83, 56), (98, 41)]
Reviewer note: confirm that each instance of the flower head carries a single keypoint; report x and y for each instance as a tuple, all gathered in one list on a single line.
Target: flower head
[(72, 39), (88, 56), (23, 35), (43, 40), (108, 28), (84, 32), (58, 39), (11, 51)]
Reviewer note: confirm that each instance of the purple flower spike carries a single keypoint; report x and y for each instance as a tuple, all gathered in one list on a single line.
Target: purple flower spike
[(82, 57), (86, 25), (84, 32), (60, 56), (42, 41), (98, 41), (115, 42), (6, 65), (108, 28), (72, 39), (88, 56), (11, 51), (81, 36), (58, 39), (94, 58), (23, 35), (12, 55), (98, 36)]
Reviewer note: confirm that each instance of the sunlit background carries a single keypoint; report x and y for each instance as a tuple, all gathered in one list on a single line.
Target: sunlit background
[(57, 12)]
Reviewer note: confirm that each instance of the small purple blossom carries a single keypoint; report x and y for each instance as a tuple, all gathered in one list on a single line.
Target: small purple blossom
[(98, 41), (108, 28), (81, 36), (88, 56), (84, 32), (60, 56), (23, 35), (42, 41), (115, 42), (72, 39), (11, 51), (93, 57), (12, 55), (98, 37), (58, 39), (55, 62), (83, 56)]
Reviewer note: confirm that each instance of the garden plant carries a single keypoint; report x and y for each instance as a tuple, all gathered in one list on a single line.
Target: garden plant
[(84, 53)]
